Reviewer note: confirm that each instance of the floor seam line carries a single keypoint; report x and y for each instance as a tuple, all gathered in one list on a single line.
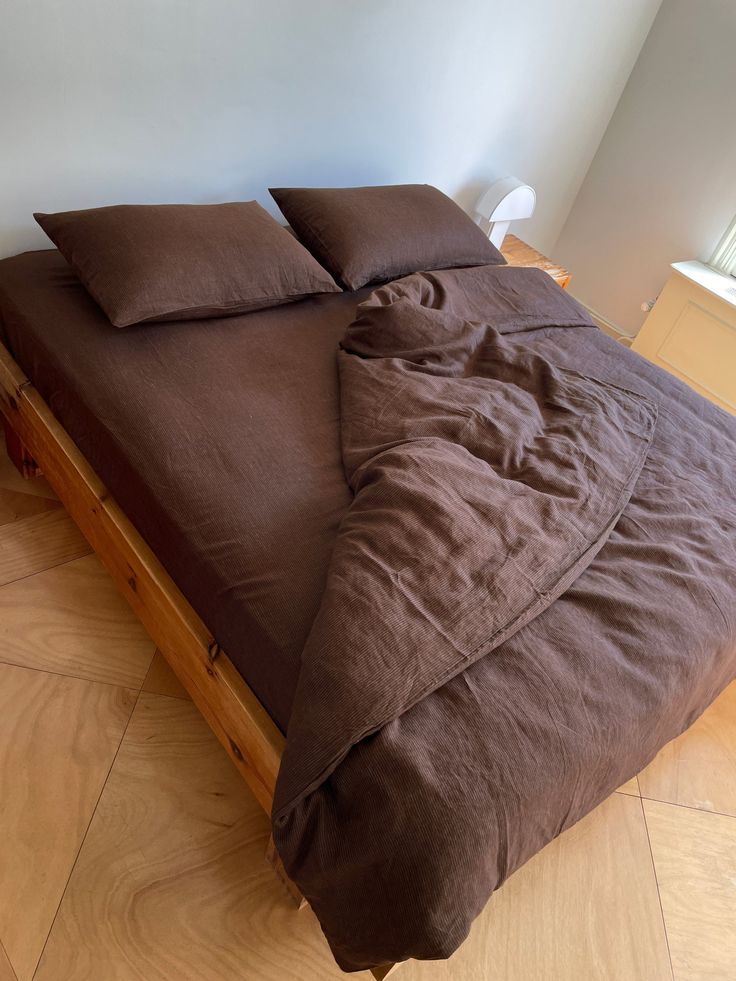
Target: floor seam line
[(84, 837), (8, 961), (145, 691), (48, 568), (75, 677), (659, 894), (689, 807), (165, 694), (4, 486), (148, 669)]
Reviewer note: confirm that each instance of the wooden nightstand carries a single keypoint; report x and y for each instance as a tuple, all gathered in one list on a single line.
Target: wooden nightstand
[(518, 253)]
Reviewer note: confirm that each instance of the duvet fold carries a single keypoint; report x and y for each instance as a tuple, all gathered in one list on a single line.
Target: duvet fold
[(486, 478), (533, 590)]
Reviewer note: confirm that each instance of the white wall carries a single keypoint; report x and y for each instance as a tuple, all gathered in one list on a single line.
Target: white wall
[(662, 186), (106, 101)]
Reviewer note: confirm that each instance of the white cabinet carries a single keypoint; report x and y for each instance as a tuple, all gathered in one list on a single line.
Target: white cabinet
[(691, 331)]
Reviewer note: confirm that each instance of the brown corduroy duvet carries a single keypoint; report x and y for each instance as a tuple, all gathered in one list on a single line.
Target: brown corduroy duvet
[(533, 590)]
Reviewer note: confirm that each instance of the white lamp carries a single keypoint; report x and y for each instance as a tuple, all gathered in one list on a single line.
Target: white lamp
[(506, 200)]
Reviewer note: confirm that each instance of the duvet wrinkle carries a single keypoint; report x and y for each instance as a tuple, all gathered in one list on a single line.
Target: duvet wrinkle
[(485, 606)]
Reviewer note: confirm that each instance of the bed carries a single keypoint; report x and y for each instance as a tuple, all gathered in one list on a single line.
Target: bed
[(203, 459)]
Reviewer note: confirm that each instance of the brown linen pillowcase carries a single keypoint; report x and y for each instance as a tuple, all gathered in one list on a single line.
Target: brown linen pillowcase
[(373, 234), (184, 261)]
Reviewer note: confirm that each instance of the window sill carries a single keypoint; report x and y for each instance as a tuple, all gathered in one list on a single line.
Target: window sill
[(717, 283)]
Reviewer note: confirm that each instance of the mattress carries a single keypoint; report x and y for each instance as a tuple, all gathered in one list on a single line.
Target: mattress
[(218, 438)]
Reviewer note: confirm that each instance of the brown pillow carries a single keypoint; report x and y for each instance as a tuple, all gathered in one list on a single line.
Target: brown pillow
[(184, 261), (372, 234)]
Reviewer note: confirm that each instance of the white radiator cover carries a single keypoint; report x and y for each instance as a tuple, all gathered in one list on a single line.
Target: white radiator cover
[(691, 331)]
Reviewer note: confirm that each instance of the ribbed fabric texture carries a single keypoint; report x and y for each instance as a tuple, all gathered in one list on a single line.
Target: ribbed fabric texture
[(533, 589), (373, 234), (221, 440), (162, 262)]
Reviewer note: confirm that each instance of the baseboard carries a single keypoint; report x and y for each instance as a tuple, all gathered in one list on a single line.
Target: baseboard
[(607, 327)]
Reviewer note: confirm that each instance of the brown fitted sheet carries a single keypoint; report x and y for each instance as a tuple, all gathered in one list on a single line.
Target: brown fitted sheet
[(218, 438)]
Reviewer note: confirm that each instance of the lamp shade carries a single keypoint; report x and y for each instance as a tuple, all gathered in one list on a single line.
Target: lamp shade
[(506, 200)]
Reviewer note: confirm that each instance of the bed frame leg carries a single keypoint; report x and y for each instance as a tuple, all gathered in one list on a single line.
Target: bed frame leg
[(19, 453), (274, 860)]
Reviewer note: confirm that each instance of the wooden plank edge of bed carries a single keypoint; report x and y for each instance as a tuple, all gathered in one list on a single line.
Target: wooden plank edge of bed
[(231, 709)]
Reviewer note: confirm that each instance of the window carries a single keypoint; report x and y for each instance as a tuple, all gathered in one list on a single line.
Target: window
[(724, 258)]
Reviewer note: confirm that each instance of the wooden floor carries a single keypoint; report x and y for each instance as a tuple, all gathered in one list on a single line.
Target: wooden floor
[(130, 848)]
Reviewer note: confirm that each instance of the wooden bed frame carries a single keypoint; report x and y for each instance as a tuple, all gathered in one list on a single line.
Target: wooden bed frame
[(232, 710)]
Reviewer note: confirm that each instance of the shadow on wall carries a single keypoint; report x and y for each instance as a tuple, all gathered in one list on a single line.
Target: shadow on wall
[(661, 187), (468, 193)]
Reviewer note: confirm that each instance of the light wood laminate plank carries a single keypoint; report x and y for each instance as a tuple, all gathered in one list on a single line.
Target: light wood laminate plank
[(161, 680), (631, 787), (171, 882), (6, 968), (37, 543), (14, 505), (58, 737), (11, 480), (584, 908), (698, 768), (695, 861), (71, 620)]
